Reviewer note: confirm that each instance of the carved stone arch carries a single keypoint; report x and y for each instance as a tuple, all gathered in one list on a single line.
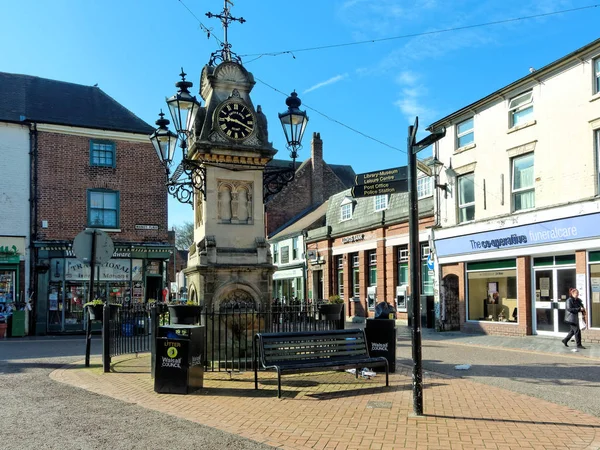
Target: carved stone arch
[(232, 72), (236, 294), (225, 196), (243, 203), (193, 293)]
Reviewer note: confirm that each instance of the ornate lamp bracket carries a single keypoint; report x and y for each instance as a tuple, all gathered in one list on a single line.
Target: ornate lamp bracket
[(189, 176)]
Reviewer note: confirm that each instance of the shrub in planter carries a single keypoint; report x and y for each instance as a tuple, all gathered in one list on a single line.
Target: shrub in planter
[(184, 313), (332, 309), (96, 306)]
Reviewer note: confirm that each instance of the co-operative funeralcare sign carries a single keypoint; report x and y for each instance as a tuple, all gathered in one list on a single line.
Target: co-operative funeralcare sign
[(551, 232)]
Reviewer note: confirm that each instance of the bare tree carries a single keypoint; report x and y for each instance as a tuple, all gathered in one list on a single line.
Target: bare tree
[(184, 235)]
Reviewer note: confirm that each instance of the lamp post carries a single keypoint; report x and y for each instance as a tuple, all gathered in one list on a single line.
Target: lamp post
[(437, 166), (413, 148)]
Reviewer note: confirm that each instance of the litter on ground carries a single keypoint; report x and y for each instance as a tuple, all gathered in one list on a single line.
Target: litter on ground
[(463, 367)]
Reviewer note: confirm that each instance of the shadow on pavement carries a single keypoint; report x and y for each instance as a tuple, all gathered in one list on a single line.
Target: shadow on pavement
[(532, 422)]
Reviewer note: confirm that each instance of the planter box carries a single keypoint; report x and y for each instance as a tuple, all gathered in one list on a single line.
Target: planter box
[(95, 312), (184, 314), (331, 311)]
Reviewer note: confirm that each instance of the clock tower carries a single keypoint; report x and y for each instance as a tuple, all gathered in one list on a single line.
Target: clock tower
[(229, 262)]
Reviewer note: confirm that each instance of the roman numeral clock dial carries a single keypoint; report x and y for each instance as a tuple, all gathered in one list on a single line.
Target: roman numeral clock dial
[(235, 121)]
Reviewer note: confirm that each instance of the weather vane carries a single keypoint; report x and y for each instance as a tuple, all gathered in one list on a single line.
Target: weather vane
[(226, 18)]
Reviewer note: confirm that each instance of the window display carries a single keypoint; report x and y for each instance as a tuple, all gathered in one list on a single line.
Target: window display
[(492, 293), (7, 288)]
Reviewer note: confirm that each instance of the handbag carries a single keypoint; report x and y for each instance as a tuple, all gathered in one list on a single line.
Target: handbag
[(582, 324)]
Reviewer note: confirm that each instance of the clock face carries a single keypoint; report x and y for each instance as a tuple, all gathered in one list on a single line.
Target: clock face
[(235, 120)]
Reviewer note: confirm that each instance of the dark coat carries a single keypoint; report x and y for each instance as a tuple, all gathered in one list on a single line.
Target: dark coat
[(573, 307)]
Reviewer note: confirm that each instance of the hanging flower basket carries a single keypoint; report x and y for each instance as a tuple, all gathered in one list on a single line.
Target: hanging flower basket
[(185, 314)]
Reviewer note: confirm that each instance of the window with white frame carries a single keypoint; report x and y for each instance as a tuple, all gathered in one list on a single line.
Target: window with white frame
[(355, 275), (464, 133), (275, 253), (381, 202), (523, 188), (346, 209), (521, 108), (340, 275), (466, 198), (597, 140), (597, 75), (295, 247), (103, 208), (424, 187)]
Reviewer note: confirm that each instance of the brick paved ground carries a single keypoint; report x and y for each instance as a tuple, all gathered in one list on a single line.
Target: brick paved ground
[(331, 410)]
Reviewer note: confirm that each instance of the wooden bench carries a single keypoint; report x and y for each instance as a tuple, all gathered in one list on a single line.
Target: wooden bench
[(313, 351)]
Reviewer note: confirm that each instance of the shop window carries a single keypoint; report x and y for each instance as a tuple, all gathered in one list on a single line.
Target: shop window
[(275, 253), (466, 198), (285, 254), (381, 202), (426, 279), (340, 275), (594, 303), (523, 188), (492, 294), (372, 268), (464, 133), (294, 248), (103, 209), (521, 109), (102, 153)]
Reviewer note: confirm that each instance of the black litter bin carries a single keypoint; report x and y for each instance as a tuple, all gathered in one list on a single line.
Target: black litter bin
[(178, 366), (381, 340)]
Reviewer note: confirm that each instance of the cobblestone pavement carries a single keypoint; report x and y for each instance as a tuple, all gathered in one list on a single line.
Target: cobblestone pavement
[(38, 413), (333, 410)]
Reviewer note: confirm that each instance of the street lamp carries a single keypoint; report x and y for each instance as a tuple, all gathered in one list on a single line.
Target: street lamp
[(294, 123), (183, 106), (413, 148), (437, 166), (164, 141)]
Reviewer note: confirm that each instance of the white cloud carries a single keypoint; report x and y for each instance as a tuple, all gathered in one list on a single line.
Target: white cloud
[(332, 80), (407, 77)]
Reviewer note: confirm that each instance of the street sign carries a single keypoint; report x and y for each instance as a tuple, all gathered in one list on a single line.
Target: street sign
[(82, 246), (382, 176), (430, 262), (369, 190), (424, 168)]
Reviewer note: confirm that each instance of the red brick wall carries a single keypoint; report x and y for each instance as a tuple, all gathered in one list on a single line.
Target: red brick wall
[(65, 174)]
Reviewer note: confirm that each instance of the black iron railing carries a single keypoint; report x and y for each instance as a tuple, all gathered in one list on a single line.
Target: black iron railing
[(229, 331)]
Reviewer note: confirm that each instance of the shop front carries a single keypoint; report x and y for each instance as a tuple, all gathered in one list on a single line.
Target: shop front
[(288, 284), (516, 280), (133, 275)]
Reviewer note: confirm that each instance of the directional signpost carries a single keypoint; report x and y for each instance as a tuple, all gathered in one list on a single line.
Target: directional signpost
[(381, 182)]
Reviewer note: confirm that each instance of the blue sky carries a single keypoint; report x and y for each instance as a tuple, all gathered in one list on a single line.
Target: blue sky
[(134, 50)]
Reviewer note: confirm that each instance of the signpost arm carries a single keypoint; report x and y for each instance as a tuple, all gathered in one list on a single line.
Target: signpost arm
[(415, 281)]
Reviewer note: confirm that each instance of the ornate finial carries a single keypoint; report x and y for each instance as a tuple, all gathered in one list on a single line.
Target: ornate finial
[(226, 19)]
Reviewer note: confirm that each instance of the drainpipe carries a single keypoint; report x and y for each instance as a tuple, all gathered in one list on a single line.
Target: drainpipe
[(33, 219)]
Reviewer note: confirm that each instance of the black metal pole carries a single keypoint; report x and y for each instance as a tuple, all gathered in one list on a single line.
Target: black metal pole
[(88, 341), (106, 337), (92, 268), (415, 279)]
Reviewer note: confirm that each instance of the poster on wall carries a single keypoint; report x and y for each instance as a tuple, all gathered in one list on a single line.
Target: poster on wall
[(595, 289), (580, 285), (53, 301), (545, 287), (136, 269)]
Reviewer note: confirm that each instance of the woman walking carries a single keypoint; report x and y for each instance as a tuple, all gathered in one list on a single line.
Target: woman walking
[(573, 307)]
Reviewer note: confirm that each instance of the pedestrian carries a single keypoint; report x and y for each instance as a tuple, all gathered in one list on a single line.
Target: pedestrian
[(573, 307)]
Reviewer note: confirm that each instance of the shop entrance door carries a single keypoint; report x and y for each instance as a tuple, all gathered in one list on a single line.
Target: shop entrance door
[(551, 292)]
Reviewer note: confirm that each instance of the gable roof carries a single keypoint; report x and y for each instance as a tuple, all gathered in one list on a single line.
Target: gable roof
[(306, 220), (35, 99), (536, 75), (345, 173)]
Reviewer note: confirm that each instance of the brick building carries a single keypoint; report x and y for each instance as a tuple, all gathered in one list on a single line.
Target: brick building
[(300, 207), (85, 172)]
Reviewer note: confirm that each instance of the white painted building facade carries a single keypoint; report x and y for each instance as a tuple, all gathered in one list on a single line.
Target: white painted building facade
[(15, 212), (521, 215)]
